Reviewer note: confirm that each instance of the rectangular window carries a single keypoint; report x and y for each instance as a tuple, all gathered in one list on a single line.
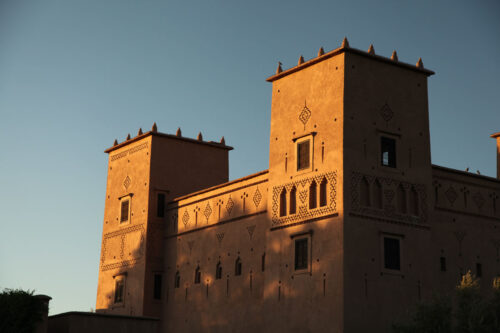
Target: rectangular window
[(479, 270), (160, 206), (157, 286), (119, 286), (125, 205), (301, 254), (392, 253), (303, 155), (388, 152), (442, 261)]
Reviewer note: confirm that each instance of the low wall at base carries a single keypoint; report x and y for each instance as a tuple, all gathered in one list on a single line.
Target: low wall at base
[(89, 322)]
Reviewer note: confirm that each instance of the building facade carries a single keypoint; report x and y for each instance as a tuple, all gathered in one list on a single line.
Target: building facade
[(349, 227)]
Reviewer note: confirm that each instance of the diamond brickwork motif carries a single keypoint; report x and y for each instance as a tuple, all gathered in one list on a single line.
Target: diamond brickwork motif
[(208, 211), (478, 199), (229, 205), (185, 218), (389, 195), (303, 196), (250, 230), (451, 195), (304, 115), (220, 237), (386, 113), (257, 197), (126, 182)]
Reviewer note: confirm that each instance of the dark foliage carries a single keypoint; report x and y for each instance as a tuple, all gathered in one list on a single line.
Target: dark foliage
[(471, 313), (20, 311)]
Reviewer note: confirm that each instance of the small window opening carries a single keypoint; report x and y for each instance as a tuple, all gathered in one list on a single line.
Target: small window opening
[(301, 253), (479, 270), (160, 205), (197, 275), (365, 192), (388, 150), (392, 253), (218, 271), (124, 210), (237, 267), (312, 195), (322, 192), (303, 155), (263, 262), (377, 195), (442, 262), (293, 200), (283, 203), (157, 286), (177, 280), (119, 286)]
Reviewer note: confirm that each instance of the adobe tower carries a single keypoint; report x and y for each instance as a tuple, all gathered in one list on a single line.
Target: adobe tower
[(144, 173)]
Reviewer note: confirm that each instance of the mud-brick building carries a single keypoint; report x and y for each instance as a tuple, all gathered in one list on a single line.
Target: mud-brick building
[(350, 226)]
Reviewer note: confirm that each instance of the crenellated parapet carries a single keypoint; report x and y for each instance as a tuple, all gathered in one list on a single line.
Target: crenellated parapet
[(322, 55)]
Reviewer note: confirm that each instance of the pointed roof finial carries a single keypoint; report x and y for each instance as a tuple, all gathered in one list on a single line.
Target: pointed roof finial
[(279, 70), (115, 143), (420, 63), (301, 60), (371, 49), (178, 133), (222, 141), (140, 131), (394, 56), (321, 51), (128, 136), (200, 137), (154, 129), (345, 43)]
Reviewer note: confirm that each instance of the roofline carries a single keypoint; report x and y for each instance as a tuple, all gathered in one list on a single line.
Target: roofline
[(208, 189), (171, 136), (495, 135), (352, 50), (99, 314), (466, 173)]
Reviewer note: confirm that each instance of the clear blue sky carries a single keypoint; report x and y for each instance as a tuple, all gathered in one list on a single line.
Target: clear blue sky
[(75, 75)]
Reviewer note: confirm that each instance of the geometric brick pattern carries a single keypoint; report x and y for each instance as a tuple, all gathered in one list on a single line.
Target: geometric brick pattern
[(304, 213)]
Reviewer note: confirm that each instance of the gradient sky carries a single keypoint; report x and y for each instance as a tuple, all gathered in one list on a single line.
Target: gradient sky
[(75, 75)]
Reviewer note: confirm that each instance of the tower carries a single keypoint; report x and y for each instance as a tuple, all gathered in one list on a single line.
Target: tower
[(144, 173), (350, 171)]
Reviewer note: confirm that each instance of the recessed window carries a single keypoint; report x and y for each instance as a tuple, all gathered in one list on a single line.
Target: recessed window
[(237, 267), (160, 205), (322, 192), (218, 271), (442, 262), (293, 201), (388, 152), (197, 275), (283, 202), (303, 155), (177, 280), (119, 289), (392, 253), (124, 210), (301, 248), (157, 286), (263, 262), (312, 195), (479, 270)]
